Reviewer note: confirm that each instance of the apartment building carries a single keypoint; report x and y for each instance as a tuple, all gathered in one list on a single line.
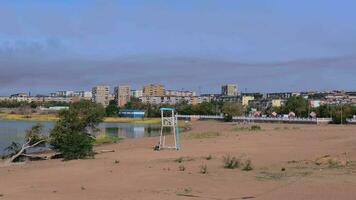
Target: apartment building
[(179, 93), (136, 93), (229, 90), (153, 90), (101, 95), (122, 94)]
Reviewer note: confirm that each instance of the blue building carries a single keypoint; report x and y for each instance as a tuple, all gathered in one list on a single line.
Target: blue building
[(132, 113)]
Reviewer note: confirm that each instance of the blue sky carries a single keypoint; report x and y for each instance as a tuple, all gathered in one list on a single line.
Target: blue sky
[(274, 45)]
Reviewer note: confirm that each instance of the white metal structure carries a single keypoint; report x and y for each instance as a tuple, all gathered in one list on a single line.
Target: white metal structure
[(171, 121)]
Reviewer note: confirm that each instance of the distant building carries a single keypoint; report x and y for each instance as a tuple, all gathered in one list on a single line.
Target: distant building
[(229, 90), (276, 103), (101, 94), (153, 90), (178, 93), (136, 93), (247, 99), (282, 95), (122, 94), (65, 93)]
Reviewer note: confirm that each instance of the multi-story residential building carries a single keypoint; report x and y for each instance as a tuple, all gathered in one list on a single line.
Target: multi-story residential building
[(65, 93), (229, 90), (178, 93), (153, 90), (247, 99), (277, 103), (122, 94), (281, 95), (101, 94), (136, 93)]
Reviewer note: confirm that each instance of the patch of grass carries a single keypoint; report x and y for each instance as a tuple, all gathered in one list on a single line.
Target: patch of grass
[(247, 166), (255, 128), (183, 159), (335, 164), (34, 117), (209, 157), (203, 135), (133, 120), (105, 139), (231, 162), (181, 168), (203, 169), (248, 128), (264, 175), (185, 192)]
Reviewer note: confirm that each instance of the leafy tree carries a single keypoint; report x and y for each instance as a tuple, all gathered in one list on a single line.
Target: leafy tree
[(112, 110), (233, 109), (298, 105), (74, 124)]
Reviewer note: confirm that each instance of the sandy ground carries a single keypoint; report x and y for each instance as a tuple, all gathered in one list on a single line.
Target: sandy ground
[(146, 174)]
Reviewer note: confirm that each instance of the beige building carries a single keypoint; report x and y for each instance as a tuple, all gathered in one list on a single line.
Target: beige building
[(101, 95), (122, 94), (153, 90), (247, 99), (276, 103), (229, 90)]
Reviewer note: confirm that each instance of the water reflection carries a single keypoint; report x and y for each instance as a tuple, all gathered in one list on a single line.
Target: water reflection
[(15, 130)]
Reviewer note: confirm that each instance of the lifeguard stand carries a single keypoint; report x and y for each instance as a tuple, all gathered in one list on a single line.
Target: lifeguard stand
[(169, 119)]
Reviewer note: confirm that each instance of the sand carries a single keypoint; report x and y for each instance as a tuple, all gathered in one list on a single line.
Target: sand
[(141, 173)]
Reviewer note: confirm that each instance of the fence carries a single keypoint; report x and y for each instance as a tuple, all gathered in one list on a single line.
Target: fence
[(260, 119)]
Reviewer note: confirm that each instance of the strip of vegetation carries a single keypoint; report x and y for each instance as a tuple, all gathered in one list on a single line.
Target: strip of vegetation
[(248, 128), (203, 135), (232, 162), (105, 139)]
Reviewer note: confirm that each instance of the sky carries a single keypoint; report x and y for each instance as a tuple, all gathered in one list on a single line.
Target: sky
[(263, 46)]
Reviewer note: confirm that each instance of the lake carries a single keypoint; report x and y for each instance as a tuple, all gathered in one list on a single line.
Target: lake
[(15, 130)]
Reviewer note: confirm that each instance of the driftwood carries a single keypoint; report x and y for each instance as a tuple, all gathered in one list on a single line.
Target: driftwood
[(24, 147), (105, 151)]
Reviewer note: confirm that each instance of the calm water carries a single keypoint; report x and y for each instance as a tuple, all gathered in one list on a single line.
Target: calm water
[(15, 130)]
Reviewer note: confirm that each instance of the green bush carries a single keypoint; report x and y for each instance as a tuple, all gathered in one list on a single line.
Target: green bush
[(76, 146), (231, 162), (255, 128), (247, 166)]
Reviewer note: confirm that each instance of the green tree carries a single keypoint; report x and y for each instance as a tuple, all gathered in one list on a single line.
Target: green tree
[(112, 110), (231, 109), (298, 105), (74, 124)]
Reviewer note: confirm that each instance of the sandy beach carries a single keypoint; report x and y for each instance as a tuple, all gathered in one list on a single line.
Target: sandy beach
[(287, 163)]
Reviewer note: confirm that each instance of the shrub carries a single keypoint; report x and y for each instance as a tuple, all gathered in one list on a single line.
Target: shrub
[(183, 159), (76, 146), (255, 128), (181, 168), (203, 169), (209, 157), (231, 162), (247, 166)]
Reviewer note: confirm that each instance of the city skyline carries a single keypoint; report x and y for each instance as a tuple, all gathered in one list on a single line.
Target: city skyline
[(273, 46)]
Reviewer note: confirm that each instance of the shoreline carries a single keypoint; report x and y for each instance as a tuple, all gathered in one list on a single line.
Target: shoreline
[(280, 154), (53, 118)]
